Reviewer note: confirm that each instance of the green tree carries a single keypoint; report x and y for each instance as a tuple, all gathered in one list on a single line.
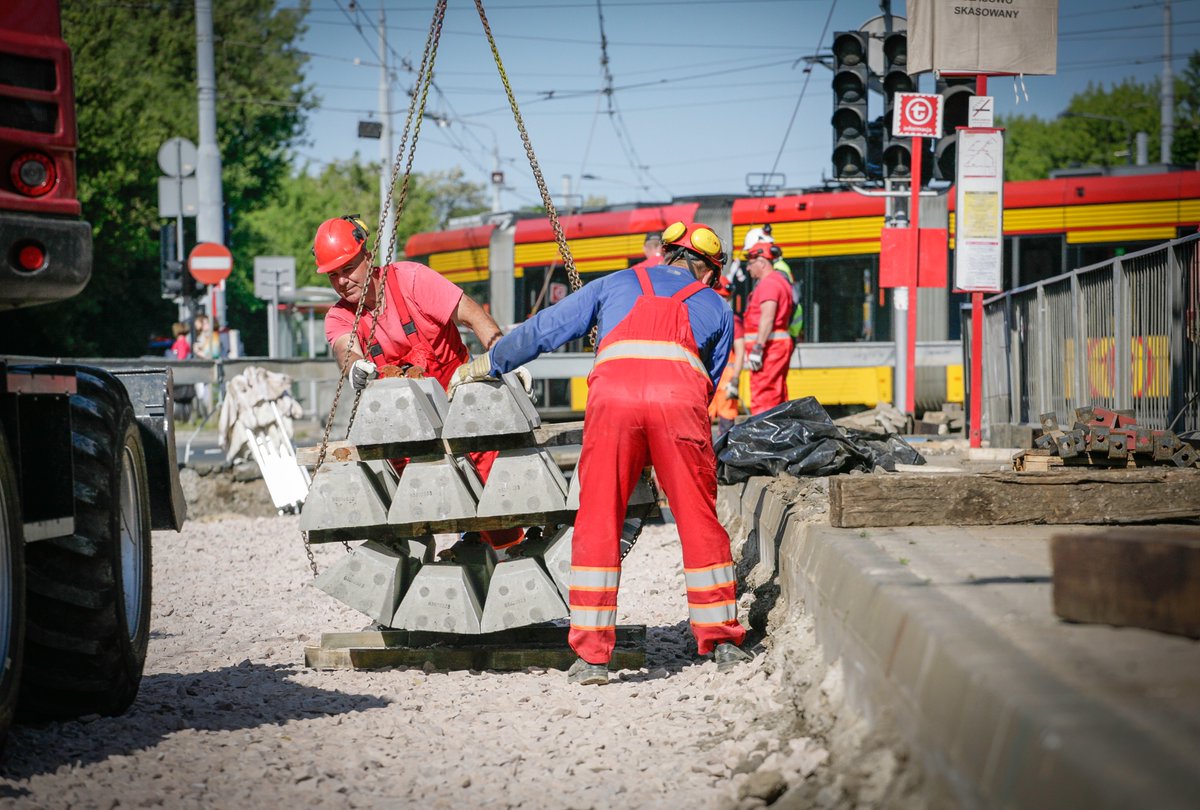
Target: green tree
[(1099, 128), (135, 87)]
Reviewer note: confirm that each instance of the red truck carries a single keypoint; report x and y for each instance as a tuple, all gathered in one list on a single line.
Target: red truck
[(87, 455)]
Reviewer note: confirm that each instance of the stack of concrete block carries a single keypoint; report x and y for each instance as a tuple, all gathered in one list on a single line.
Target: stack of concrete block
[(469, 591)]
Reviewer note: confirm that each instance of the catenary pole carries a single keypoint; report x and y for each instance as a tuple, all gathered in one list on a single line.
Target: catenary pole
[(385, 139), (1168, 89)]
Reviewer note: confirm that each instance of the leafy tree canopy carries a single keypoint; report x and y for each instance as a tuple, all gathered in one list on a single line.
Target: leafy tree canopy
[(1099, 126), (135, 85)]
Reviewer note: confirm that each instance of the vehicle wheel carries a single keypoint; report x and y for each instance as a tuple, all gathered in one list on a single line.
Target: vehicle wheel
[(12, 589), (88, 595)]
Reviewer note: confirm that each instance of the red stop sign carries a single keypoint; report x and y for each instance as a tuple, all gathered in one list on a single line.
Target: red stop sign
[(210, 263)]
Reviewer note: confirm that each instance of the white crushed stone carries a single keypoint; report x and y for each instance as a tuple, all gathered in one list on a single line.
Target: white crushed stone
[(228, 716)]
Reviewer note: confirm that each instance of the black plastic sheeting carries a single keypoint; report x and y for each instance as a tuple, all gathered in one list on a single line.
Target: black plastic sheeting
[(798, 437)]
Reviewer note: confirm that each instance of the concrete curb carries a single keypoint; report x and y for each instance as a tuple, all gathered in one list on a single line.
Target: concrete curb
[(994, 726)]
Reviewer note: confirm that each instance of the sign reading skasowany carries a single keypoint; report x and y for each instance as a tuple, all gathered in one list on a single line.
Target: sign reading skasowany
[(983, 36)]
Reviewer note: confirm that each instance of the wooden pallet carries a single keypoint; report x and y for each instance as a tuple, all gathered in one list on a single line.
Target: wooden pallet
[(504, 651)]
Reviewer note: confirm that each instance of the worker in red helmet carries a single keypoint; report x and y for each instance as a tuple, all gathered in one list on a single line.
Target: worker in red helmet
[(665, 337), (768, 341), (418, 327)]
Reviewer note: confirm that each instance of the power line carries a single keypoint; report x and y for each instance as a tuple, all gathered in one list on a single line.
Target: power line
[(807, 76)]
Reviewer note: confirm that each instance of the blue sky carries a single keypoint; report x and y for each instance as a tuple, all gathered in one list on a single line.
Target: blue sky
[(704, 89)]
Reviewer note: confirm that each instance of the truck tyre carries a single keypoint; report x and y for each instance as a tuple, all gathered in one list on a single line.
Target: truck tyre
[(12, 589), (88, 595)]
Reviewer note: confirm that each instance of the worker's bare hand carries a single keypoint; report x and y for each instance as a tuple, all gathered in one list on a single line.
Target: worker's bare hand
[(361, 373)]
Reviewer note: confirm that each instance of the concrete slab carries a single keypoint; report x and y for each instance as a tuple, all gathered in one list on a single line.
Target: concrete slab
[(433, 491), (442, 598), (949, 633), (344, 496), (370, 579), (486, 408), (523, 401), (396, 410), (524, 481), (554, 553), (520, 593)]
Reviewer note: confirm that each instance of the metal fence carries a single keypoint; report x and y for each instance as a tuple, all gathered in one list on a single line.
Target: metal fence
[(1124, 334)]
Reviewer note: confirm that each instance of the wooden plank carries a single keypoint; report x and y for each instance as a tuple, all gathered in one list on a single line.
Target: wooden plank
[(555, 434), (1070, 495), (507, 650), (1145, 577)]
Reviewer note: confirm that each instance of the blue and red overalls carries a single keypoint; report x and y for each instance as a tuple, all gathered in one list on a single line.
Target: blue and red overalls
[(648, 398)]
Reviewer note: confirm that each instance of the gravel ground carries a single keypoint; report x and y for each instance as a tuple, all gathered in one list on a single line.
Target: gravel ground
[(228, 716)]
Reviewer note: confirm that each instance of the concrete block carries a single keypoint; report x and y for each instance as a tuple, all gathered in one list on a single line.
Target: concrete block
[(554, 553), (432, 389), (524, 481), (487, 408), (478, 558), (441, 599), (433, 491), (396, 410), (520, 593), (642, 493), (386, 475), (370, 579), (523, 400), (344, 495)]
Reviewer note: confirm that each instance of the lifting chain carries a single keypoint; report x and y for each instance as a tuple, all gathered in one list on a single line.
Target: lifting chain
[(416, 112), (551, 212)]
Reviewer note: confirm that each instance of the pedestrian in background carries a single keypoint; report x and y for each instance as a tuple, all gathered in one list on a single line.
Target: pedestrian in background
[(181, 349), (652, 248)]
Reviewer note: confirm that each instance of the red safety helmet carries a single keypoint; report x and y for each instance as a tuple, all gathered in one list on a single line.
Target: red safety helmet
[(338, 241), (766, 250), (698, 238)]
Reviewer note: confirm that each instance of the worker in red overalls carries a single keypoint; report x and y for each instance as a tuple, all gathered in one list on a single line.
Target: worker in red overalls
[(665, 337), (768, 341), (418, 327)]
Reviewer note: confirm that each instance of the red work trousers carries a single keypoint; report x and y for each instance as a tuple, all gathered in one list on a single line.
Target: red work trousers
[(768, 387)]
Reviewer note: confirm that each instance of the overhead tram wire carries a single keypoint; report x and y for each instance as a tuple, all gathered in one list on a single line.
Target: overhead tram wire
[(807, 76)]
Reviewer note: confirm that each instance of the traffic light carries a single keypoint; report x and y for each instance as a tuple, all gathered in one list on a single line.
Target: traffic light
[(176, 281), (850, 106), (956, 93), (897, 152)]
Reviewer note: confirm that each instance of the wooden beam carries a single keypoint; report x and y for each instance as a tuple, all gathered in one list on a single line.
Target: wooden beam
[(1132, 576), (1143, 495), (556, 434)]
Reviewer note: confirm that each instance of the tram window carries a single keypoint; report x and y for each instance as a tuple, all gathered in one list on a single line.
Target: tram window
[(1037, 258), (1086, 255), (845, 301)]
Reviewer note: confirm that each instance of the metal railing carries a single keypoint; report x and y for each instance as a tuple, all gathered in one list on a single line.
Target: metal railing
[(1123, 334)]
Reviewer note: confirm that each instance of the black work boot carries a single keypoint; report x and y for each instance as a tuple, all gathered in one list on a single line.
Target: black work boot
[(582, 672), (728, 656)]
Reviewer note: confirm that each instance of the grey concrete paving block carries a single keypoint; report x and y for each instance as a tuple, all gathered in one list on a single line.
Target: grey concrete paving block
[(344, 495), (386, 475), (477, 557), (642, 492), (432, 491), (437, 396), (441, 599), (370, 579), (523, 400), (524, 481), (519, 594), (470, 476), (395, 410), (486, 408), (554, 552)]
